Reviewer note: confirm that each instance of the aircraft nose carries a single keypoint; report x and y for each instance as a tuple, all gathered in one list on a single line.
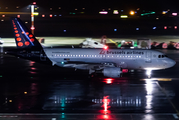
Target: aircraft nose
[(171, 63)]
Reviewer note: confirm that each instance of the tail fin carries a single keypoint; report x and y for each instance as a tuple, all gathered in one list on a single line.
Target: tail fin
[(23, 37)]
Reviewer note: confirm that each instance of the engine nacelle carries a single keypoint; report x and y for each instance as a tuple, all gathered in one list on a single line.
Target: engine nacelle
[(112, 72)]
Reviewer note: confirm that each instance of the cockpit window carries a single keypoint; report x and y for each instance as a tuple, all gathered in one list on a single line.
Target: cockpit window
[(162, 56)]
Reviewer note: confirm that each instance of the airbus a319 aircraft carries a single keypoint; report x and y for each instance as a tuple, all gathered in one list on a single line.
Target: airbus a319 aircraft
[(110, 62)]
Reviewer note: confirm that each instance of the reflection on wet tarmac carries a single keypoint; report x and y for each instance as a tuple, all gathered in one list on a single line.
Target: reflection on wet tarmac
[(39, 88)]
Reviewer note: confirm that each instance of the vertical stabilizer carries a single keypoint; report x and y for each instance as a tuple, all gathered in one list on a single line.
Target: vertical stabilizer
[(23, 36)]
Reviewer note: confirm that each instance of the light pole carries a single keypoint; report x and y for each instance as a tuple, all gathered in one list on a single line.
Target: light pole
[(32, 17)]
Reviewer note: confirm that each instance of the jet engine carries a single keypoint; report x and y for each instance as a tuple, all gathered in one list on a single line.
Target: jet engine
[(112, 72)]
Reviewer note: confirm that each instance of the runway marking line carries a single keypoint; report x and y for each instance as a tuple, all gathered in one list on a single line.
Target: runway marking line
[(158, 79), (168, 99)]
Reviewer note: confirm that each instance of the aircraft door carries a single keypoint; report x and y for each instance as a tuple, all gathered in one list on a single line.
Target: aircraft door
[(148, 58)]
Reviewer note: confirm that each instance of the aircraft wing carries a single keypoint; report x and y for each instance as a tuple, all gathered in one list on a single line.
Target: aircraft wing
[(86, 65)]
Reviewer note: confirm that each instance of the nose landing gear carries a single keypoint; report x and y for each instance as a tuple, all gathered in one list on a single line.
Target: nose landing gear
[(148, 73)]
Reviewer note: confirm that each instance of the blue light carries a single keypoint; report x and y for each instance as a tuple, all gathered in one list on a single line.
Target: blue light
[(55, 15), (115, 30), (60, 15), (137, 28), (64, 30), (122, 10), (154, 28), (62, 62), (63, 115)]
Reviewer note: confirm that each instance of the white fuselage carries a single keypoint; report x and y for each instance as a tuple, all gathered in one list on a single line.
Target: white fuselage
[(123, 58)]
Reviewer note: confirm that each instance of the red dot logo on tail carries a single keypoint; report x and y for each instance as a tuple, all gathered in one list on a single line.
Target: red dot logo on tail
[(18, 39), (32, 39), (17, 35), (27, 43), (30, 36), (20, 44)]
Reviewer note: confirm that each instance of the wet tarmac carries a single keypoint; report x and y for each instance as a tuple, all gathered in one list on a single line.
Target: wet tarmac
[(30, 90)]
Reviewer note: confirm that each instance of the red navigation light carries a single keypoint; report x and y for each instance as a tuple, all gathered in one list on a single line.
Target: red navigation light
[(165, 27), (51, 15), (109, 80), (175, 27), (34, 3), (105, 47)]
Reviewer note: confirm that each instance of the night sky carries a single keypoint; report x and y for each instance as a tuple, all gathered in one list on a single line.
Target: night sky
[(96, 4)]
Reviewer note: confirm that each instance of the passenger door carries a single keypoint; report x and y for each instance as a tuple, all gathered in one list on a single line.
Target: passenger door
[(148, 57)]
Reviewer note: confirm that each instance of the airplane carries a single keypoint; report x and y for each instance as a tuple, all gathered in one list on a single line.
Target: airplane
[(109, 62), (89, 43)]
